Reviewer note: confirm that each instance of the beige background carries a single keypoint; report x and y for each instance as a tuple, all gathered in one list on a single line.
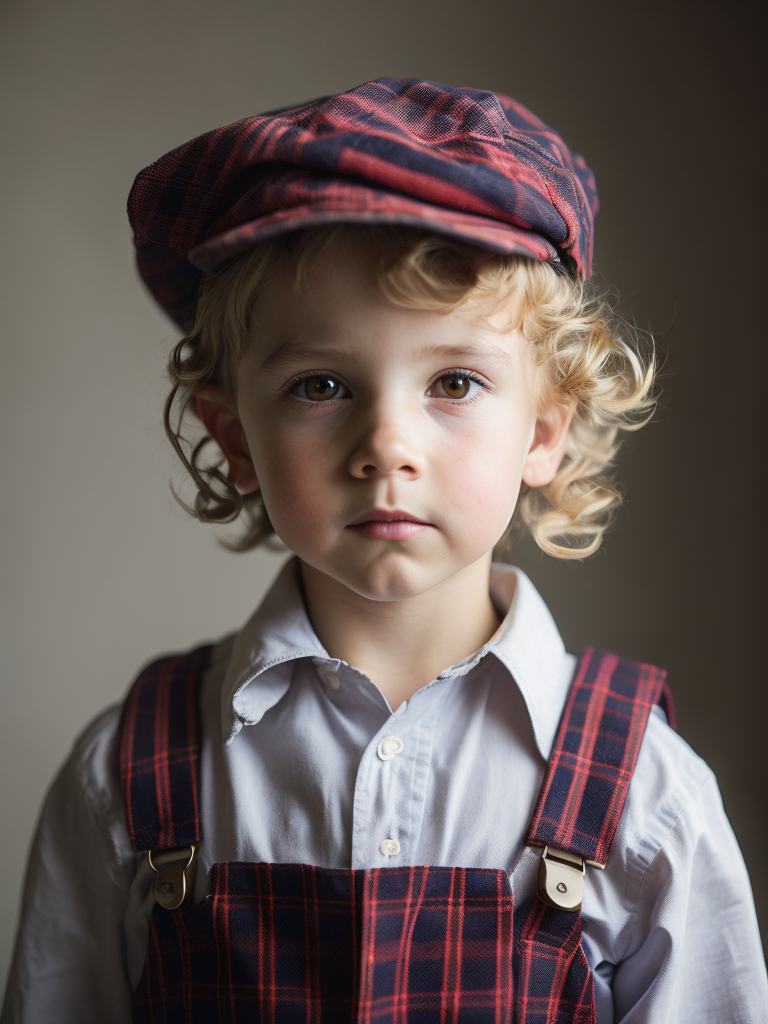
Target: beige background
[(101, 571)]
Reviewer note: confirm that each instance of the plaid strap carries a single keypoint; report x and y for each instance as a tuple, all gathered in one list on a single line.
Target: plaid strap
[(160, 752), (553, 981), (595, 753)]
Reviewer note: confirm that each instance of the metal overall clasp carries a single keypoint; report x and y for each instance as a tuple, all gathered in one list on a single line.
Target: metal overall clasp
[(561, 879), (175, 872)]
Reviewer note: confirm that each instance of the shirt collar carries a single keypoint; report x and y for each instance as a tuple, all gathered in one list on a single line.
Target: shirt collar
[(277, 633), (527, 643)]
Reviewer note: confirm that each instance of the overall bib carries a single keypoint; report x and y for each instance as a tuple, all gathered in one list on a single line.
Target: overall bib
[(423, 944)]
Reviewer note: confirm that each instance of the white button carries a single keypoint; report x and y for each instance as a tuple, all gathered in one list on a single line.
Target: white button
[(328, 676), (389, 746), (390, 847)]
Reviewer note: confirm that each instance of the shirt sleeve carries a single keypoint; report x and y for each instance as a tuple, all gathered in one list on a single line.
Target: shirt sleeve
[(697, 957), (69, 962)]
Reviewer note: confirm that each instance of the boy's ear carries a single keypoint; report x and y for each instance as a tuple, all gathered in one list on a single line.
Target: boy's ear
[(550, 440), (219, 415)]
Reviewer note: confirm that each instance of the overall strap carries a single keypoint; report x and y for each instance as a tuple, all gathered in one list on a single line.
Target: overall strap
[(160, 752), (595, 753)]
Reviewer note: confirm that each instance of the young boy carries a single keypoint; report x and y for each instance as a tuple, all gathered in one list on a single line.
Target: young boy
[(387, 797)]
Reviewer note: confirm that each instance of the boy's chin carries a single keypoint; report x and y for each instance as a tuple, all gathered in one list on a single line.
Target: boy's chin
[(390, 576)]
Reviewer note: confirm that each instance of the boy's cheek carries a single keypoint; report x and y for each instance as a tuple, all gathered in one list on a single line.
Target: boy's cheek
[(483, 478), (284, 463), (482, 513), (298, 497), (480, 501)]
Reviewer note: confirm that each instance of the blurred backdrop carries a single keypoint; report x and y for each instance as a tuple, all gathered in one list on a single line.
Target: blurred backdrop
[(101, 570)]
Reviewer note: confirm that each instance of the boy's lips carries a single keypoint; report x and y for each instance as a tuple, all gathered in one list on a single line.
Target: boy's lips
[(382, 515), (388, 524)]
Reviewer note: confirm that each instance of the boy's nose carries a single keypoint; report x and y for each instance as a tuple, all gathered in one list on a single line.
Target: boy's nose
[(387, 447)]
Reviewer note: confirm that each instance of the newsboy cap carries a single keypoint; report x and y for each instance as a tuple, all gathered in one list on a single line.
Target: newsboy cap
[(474, 165)]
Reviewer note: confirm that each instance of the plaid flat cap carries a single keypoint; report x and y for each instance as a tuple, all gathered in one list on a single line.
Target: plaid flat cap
[(474, 165)]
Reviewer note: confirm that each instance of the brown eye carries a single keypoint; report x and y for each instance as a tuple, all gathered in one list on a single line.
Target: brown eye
[(318, 389), (456, 385), (461, 386)]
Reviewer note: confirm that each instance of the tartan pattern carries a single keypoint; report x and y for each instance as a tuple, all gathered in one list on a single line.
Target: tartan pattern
[(595, 753), (469, 163), (554, 984), (290, 943), (159, 753)]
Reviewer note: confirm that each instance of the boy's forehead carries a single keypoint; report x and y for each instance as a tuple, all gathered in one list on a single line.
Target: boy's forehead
[(338, 315)]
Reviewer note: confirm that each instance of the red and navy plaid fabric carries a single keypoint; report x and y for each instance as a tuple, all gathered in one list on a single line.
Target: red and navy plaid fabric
[(295, 942), (160, 753), (553, 982), (472, 164), (292, 943), (595, 753)]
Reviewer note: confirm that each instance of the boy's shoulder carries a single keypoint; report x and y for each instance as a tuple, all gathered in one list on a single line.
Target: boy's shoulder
[(669, 777), (673, 810), (672, 790), (93, 764)]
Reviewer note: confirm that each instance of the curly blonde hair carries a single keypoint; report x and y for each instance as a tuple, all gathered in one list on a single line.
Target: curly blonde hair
[(590, 356)]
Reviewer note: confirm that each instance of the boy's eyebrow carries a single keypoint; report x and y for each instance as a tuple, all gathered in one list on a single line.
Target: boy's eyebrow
[(287, 353)]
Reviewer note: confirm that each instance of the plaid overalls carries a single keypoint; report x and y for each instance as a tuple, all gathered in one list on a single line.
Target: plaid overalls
[(285, 943)]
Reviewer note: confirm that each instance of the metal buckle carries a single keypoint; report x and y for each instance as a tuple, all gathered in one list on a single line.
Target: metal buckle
[(561, 879), (175, 875)]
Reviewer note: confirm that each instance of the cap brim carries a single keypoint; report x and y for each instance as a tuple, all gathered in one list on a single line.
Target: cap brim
[(385, 208)]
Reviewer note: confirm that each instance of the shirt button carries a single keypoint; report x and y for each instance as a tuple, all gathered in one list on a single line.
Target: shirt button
[(329, 677), (388, 747), (390, 847)]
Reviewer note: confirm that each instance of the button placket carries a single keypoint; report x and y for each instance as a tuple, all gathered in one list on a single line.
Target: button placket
[(389, 798), (388, 748)]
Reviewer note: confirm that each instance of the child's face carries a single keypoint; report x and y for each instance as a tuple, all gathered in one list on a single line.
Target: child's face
[(347, 403)]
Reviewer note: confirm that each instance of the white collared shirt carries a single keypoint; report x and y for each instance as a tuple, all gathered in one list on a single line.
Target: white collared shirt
[(304, 761)]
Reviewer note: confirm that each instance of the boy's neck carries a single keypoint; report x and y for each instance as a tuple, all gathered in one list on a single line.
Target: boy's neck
[(403, 645)]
